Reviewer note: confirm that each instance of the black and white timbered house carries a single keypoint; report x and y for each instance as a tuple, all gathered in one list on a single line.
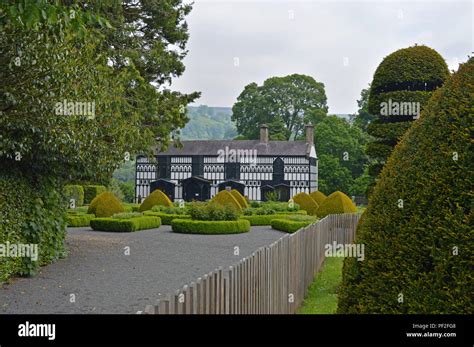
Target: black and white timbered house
[(200, 169)]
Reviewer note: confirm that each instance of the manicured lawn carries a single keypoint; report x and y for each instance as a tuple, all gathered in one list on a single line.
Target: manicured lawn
[(321, 297)]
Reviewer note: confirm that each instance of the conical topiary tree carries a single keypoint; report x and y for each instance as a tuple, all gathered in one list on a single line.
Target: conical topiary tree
[(417, 229), (156, 198), (318, 196), (105, 205), (402, 85)]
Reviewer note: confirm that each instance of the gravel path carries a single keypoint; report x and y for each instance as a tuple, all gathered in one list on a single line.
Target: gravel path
[(104, 279)]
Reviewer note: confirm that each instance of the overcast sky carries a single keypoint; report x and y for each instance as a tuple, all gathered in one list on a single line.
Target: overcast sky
[(339, 43)]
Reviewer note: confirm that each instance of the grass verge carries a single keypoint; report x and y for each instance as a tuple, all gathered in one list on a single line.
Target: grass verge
[(322, 297)]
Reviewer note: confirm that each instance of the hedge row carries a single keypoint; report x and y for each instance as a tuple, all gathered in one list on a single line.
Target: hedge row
[(167, 218), (79, 220), (74, 192), (91, 191), (188, 226), (125, 225), (131, 207), (265, 219), (289, 226)]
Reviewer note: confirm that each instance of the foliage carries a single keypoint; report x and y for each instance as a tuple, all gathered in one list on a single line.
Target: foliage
[(258, 220), (423, 248), (306, 203), (240, 198), (335, 203), (212, 211), (105, 205), (127, 215), (127, 207), (363, 117), (125, 225), (167, 218), (91, 191), (74, 192), (32, 211), (114, 188), (271, 196), (79, 220), (318, 196), (187, 226), (409, 75), (289, 226), (157, 197), (225, 198), (280, 100), (171, 209)]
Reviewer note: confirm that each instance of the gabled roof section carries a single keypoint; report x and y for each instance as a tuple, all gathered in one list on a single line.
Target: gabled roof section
[(214, 147)]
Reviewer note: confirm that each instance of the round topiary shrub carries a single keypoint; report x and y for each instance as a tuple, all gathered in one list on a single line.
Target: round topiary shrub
[(402, 85), (105, 205), (156, 198), (318, 196), (240, 198), (225, 198), (306, 202), (335, 203), (417, 229)]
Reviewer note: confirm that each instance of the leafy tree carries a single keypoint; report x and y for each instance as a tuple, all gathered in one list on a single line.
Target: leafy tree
[(288, 99), (363, 117), (332, 175)]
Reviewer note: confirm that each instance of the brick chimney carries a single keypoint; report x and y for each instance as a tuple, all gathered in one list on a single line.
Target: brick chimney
[(264, 133), (309, 133)]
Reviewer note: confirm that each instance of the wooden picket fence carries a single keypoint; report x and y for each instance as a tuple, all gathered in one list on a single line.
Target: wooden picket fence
[(273, 280)]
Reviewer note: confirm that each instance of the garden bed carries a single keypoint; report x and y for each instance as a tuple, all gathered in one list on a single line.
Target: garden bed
[(188, 226), (166, 218), (266, 219)]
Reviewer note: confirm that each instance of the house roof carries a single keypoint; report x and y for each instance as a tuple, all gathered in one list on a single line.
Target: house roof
[(214, 147)]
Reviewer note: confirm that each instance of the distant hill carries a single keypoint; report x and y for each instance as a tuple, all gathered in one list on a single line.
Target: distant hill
[(209, 123)]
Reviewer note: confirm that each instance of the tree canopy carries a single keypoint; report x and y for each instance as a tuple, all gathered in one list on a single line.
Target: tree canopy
[(287, 101)]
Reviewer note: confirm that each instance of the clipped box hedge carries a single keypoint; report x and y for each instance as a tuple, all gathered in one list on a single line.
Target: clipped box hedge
[(289, 226), (166, 218), (265, 219), (125, 225), (79, 219), (131, 207), (188, 226)]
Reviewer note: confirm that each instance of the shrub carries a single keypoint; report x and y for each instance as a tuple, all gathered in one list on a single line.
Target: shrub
[(157, 197), (423, 250), (166, 219), (263, 219), (408, 75), (75, 192), (212, 212), (91, 191), (306, 203), (32, 210), (171, 209), (255, 204), (105, 205), (127, 215), (318, 196), (225, 198), (187, 226), (335, 203), (79, 220), (78, 210), (125, 225), (289, 226), (240, 198), (128, 207)]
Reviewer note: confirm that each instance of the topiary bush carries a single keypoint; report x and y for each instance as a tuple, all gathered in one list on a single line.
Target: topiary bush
[(306, 202), (188, 226), (105, 205), (125, 225), (74, 192), (225, 198), (409, 76), (335, 203), (417, 229), (212, 211), (318, 196), (156, 198), (91, 191), (240, 198)]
